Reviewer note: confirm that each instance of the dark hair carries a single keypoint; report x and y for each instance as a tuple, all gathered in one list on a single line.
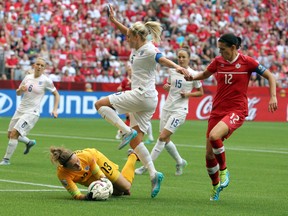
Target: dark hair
[(230, 39)]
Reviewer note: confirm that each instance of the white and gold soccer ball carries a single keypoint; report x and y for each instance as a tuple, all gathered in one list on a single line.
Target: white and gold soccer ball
[(101, 189)]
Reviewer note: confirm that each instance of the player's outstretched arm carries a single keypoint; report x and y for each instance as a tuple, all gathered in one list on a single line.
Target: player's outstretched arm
[(273, 105), (112, 18)]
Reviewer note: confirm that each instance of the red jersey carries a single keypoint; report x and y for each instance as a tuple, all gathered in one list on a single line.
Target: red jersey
[(232, 79)]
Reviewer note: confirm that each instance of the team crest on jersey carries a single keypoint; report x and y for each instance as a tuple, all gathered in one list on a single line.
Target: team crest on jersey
[(40, 83), (87, 168), (237, 66), (222, 65), (64, 182), (141, 53)]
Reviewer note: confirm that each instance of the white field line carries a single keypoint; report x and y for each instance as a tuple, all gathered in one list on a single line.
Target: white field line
[(259, 150), (60, 188)]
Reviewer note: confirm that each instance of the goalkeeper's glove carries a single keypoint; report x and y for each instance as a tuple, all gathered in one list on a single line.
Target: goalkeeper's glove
[(89, 196)]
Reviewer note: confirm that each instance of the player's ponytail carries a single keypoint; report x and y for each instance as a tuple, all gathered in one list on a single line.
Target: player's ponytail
[(230, 39), (143, 30)]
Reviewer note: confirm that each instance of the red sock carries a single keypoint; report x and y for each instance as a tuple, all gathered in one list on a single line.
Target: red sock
[(219, 152), (127, 121), (213, 170)]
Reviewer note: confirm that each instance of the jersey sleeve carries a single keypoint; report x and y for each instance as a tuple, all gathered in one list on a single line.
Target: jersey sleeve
[(69, 185), (95, 169), (50, 85), (212, 67), (255, 66)]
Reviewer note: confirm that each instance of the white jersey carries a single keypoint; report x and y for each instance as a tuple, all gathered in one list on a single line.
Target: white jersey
[(36, 88), (143, 65), (178, 84)]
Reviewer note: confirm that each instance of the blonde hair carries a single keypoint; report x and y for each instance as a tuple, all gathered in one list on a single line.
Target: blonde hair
[(143, 30), (60, 155)]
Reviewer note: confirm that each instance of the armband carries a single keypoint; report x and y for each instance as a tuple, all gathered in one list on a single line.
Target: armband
[(260, 69), (158, 56)]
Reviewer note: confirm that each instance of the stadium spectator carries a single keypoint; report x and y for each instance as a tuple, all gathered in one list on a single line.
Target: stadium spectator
[(230, 105), (88, 87), (252, 21), (28, 112), (56, 76), (68, 67), (10, 65), (70, 171), (79, 77), (25, 63), (66, 77)]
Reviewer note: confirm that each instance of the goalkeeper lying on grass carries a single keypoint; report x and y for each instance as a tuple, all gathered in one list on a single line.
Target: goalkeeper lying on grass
[(88, 165)]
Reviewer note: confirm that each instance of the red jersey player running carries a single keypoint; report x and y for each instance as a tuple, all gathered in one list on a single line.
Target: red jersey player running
[(232, 71)]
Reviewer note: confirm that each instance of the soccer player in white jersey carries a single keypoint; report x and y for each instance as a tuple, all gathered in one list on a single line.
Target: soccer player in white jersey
[(175, 111), (142, 99), (33, 88)]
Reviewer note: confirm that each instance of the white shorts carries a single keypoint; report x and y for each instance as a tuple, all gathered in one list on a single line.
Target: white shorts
[(171, 121), (23, 122), (140, 108)]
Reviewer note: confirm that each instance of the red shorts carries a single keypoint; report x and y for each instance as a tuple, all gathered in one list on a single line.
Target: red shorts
[(232, 120)]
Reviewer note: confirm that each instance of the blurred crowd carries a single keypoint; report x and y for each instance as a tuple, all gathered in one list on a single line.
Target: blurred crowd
[(81, 45)]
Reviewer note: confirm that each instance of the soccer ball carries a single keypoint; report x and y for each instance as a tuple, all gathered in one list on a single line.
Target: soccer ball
[(101, 189)]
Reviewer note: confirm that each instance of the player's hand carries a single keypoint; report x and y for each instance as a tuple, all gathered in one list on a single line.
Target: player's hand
[(166, 86), (89, 196), (186, 73), (23, 88), (183, 94), (273, 106), (54, 114), (110, 12)]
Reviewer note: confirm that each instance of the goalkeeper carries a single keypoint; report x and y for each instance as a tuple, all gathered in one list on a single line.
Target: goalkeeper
[(88, 165)]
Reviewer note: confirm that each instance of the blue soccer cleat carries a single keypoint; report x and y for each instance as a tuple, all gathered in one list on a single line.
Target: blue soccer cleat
[(215, 192), (156, 183), (29, 145), (126, 138)]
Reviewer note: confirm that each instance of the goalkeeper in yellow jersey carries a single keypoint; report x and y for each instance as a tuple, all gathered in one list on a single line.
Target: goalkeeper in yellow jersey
[(88, 165)]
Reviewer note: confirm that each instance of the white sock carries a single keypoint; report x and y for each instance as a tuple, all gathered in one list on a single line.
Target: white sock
[(23, 139), (146, 159), (157, 149), (150, 132), (111, 116), (172, 150), (12, 145)]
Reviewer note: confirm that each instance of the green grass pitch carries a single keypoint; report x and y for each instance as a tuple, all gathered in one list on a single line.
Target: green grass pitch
[(257, 157)]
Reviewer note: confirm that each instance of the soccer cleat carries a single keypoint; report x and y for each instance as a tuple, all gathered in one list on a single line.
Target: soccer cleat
[(131, 151), (224, 178), (148, 141), (126, 138), (29, 145), (5, 162), (180, 167), (156, 183), (140, 170), (215, 192)]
